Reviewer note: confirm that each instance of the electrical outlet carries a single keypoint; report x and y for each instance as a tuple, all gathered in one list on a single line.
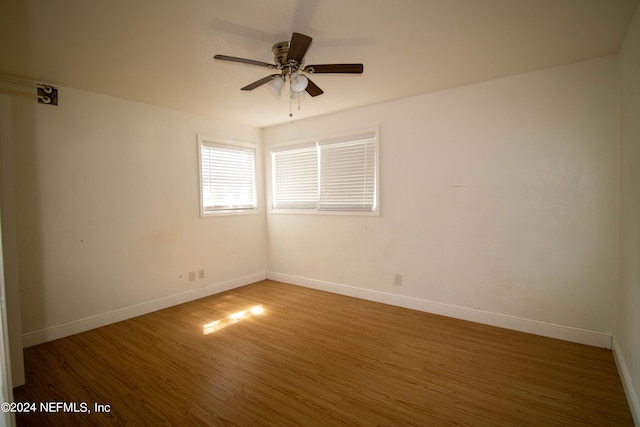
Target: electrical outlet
[(192, 276), (397, 280), (201, 274)]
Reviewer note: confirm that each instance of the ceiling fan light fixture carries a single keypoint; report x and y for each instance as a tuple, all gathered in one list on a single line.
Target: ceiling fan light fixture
[(275, 85), (298, 82)]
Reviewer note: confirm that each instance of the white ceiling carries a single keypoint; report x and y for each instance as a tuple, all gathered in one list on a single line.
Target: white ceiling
[(161, 51)]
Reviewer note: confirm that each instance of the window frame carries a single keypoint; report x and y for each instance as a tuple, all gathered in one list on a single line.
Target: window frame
[(210, 141), (336, 138)]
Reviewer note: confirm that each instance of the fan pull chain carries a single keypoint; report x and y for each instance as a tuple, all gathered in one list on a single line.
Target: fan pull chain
[(299, 95), (290, 94)]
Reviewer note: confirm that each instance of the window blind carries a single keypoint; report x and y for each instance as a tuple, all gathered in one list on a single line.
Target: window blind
[(295, 177), (330, 175), (228, 177), (348, 176)]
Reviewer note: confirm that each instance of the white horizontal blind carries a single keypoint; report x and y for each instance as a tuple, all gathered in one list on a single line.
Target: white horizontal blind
[(228, 177), (348, 176), (337, 175), (295, 177)]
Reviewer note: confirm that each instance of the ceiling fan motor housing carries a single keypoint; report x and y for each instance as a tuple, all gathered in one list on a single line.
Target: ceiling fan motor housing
[(281, 51)]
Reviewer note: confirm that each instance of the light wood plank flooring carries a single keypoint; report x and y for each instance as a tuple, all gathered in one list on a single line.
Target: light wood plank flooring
[(313, 358)]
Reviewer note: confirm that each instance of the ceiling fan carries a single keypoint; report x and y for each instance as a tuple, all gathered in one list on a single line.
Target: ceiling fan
[(289, 56)]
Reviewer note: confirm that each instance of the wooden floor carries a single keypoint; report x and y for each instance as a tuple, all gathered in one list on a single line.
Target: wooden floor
[(317, 359)]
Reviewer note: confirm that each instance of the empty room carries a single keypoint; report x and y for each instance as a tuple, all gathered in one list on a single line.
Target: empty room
[(320, 212)]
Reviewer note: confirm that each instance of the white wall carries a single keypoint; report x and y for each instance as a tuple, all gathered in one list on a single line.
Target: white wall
[(108, 218), (499, 197), (627, 330), (9, 241)]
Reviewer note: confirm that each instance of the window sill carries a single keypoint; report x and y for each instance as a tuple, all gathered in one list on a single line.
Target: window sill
[(319, 212), (229, 213)]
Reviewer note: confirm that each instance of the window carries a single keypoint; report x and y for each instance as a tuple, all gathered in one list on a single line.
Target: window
[(227, 177), (335, 175)]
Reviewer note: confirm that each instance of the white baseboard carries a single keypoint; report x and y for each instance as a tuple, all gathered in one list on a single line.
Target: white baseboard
[(567, 333), (81, 325), (627, 382)]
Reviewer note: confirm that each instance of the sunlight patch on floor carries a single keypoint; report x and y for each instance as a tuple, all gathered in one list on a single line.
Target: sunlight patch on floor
[(232, 318)]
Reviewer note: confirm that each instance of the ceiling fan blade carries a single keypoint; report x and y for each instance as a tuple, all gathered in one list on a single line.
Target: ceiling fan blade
[(335, 68), (298, 47), (313, 89), (244, 61), (260, 82)]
